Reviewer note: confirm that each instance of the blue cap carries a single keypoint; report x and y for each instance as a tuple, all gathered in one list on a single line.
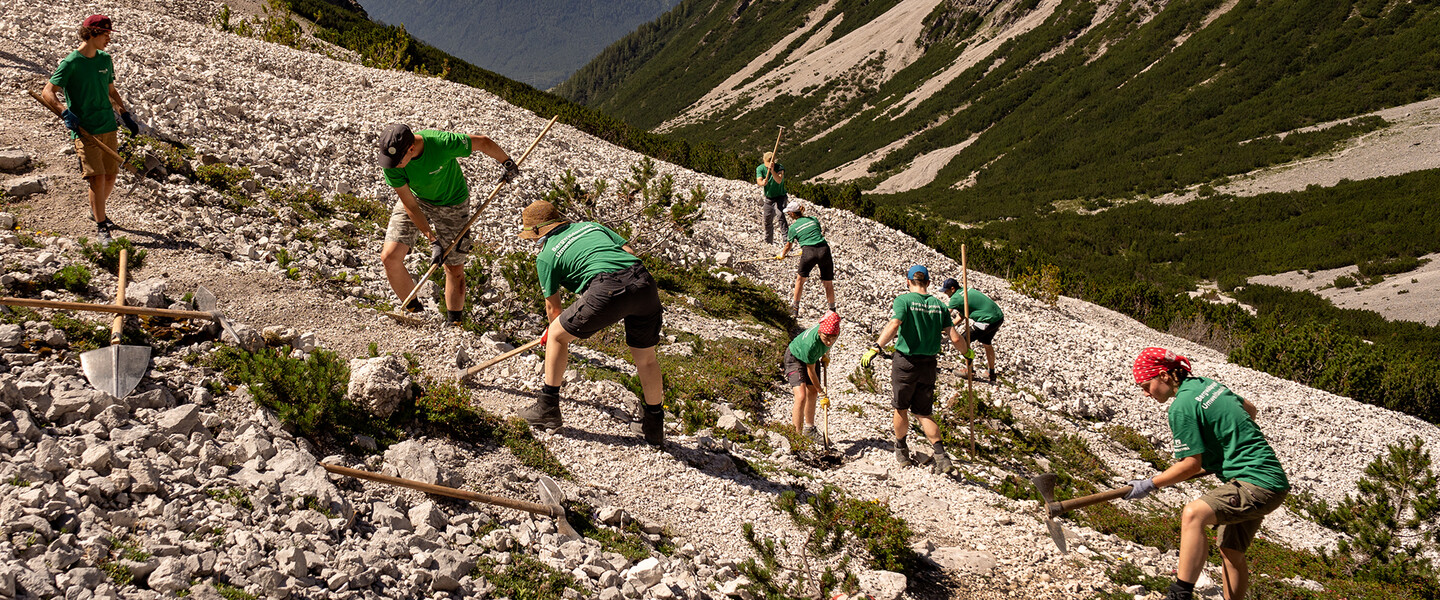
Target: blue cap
[(918, 273), (950, 284)]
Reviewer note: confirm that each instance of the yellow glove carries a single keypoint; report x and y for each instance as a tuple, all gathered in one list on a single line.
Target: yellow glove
[(868, 356), (825, 360), (824, 401)]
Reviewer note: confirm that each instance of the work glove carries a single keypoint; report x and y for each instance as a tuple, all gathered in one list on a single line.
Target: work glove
[(72, 120), (511, 171), (825, 360), (130, 123), (545, 337), (1143, 487), (869, 356), (779, 257), (437, 252), (824, 401)]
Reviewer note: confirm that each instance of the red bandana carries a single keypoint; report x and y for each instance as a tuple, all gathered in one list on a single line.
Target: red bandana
[(830, 323), (1154, 361)]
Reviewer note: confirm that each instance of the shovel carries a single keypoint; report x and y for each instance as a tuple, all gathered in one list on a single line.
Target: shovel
[(463, 374), (409, 320), (116, 369), (551, 496)]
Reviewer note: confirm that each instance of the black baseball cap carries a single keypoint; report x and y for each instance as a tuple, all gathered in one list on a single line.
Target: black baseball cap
[(395, 141)]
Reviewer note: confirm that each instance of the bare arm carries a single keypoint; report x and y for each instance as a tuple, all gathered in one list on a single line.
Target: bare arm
[(553, 308), (483, 144), (627, 248), (116, 101), (888, 333), (51, 98), (814, 377), (786, 251), (412, 208), (1187, 468)]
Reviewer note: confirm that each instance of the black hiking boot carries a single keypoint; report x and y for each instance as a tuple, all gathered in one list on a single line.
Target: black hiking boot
[(902, 453), (544, 413), (1177, 592), (942, 463), (652, 424)]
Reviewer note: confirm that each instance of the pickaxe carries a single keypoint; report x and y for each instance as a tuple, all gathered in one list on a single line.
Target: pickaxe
[(1045, 483)]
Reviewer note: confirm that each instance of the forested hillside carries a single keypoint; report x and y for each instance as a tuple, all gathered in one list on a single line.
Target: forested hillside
[(540, 43)]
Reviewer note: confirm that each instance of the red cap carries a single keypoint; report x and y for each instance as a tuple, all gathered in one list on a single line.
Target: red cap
[(1154, 361), (101, 22), (830, 323)]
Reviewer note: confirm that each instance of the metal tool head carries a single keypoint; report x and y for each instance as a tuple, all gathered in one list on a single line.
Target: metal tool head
[(116, 370), (551, 495), (1045, 484), (404, 319), (205, 301)]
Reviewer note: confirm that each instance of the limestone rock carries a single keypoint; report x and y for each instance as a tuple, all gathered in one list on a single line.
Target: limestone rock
[(378, 384)]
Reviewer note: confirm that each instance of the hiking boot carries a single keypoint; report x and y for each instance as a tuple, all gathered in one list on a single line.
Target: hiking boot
[(1178, 593), (414, 306), (102, 232), (942, 463), (902, 456), (813, 433), (544, 413), (652, 424)]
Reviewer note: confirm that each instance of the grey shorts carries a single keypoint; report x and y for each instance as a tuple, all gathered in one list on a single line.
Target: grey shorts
[(447, 221), (1240, 507), (796, 372), (913, 379), (629, 294)]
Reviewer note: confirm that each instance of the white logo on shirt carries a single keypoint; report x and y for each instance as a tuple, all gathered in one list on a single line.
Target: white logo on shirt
[(442, 168)]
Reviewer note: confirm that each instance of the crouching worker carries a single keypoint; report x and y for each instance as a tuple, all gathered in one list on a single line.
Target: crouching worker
[(591, 260), (1214, 431), (421, 166), (802, 366), (985, 319)]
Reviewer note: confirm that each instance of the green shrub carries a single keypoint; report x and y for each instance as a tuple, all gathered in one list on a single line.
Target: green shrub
[(307, 394), (75, 278), (86, 335), (1042, 284), (1381, 267), (525, 578), (108, 257), (628, 542), (223, 177), (1127, 436), (1344, 281), (371, 211), (230, 592), (305, 200), (447, 406)]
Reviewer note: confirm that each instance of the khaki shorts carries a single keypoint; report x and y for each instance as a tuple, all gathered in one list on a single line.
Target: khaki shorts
[(447, 221), (1239, 508), (93, 160)]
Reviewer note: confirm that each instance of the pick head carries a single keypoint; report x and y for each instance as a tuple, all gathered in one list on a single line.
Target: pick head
[(552, 496), (1045, 484)]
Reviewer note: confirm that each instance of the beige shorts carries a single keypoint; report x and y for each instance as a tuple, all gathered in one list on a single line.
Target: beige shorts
[(93, 160), (447, 221), (1239, 508)]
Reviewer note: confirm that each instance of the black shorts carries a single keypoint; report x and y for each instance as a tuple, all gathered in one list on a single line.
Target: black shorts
[(810, 256), (986, 335), (913, 378), (629, 294), (796, 372)]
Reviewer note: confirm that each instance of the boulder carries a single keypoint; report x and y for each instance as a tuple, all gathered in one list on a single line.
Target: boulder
[(11, 335), (170, 576), (427, 513), (383, 515), (967, 561), (412, 460), (378, 384), (149, 293), (20, 187), (451, 568), (181, 419), (883, 585), (12, 159)]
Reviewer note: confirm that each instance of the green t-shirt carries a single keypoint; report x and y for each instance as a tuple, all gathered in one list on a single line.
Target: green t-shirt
[(982, 308), (574, 254), (922, 319), (773, 188), (434, 176), (806, 231), (807, 347), (1207, 418), (86, 82)]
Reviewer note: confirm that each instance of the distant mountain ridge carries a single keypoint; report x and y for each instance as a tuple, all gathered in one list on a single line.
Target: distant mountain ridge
[(540, 42)]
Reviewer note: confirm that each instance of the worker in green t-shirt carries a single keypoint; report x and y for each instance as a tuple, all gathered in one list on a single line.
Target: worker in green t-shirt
[(423, 169), (802, 363), (591, 260), (814, 252), (918, 322), (1214, 431), (770, 176), (985, 320), (87, 76)]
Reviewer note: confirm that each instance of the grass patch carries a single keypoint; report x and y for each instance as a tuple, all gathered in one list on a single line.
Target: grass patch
[(1127, 436), (627, 542), (448, 407), (108, 257), (305, 200), (525, 578), (224, 178), (234, 496), (230, 592), (85, 335), (366, 211), (742, 300), (118, 573)]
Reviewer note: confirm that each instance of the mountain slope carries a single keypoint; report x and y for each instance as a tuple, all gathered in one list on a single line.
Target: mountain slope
[(539, 43)]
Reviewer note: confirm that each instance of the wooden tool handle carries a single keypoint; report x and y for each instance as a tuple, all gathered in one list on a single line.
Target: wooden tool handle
[(1062, 507), (108, 308), (81, 130), (449, 492), (470, 372), (119, 324)]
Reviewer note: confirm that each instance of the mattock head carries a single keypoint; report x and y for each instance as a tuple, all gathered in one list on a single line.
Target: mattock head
[(1045, 484)]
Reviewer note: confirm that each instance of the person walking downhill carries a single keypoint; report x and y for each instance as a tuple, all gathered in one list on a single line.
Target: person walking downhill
[(802, 364), (423, 169), (1214, 431), (87, 76), (591, 260), (814, 251), (920, 320), (770, 176), (984, 320)]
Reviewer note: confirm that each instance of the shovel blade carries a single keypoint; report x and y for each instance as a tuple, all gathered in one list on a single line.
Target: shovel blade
[(551, 495), (116, 370)]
